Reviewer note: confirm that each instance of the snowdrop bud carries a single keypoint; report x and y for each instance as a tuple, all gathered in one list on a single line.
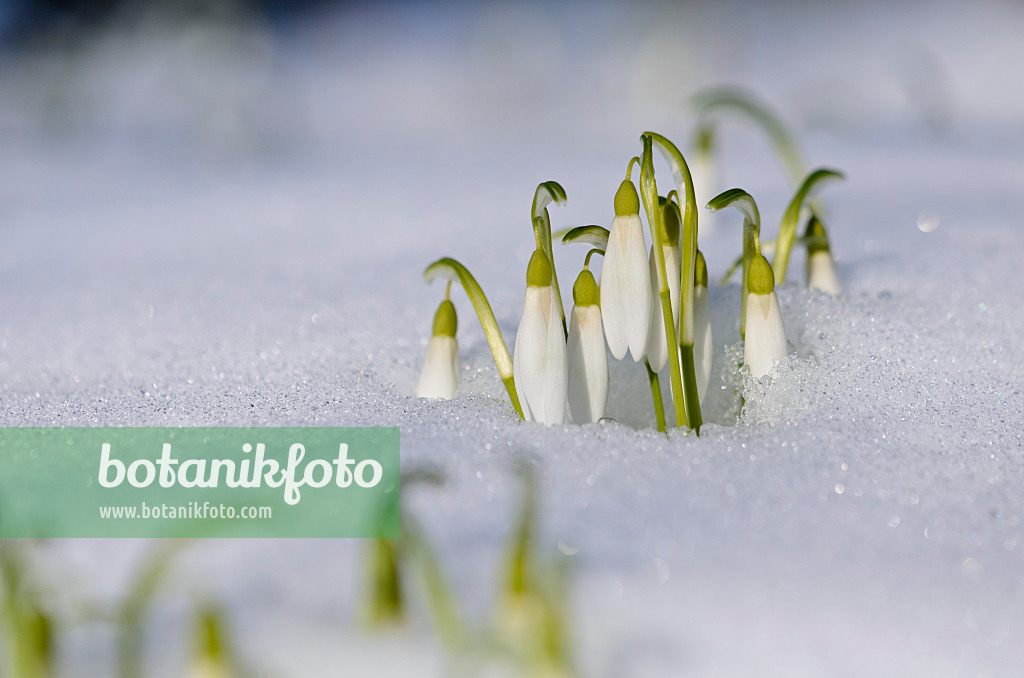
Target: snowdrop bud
[(765, 341), (539, 359), (626, 299), (588, 359), (702, 343), (657, 345), (440, 375), (821, 267)]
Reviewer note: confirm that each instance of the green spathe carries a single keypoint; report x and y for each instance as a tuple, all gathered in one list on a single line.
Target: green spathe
[(445, 320), (627, 201), (585, 291), (538, 272), (760, 277), (670, 223)]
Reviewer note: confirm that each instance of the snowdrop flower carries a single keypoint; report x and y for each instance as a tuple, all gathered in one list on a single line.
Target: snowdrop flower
[(765, 341), (702, 343), (539, 357), (626, 299), (657, 348), (821, 268), (588, 359), (440, 375)]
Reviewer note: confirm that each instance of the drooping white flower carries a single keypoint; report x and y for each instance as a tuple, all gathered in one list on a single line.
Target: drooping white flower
[(765, 340), (588, 359), (626, 300), (821, 267), (440, 375), (539, 363), (702, 343)]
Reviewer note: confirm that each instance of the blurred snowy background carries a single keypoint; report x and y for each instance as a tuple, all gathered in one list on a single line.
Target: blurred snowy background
[(218, 214)]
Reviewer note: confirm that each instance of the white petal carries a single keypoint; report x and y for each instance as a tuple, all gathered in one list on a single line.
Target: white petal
[(614, 300), (538, 361), (821, 273), (588, 366), (765, 340), (657, 351), (637, 282), (702, 343), (556, 372), (440, 375)]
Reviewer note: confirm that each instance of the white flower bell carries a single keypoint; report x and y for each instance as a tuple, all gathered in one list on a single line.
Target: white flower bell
[(440, 375), (765, 340), (588, 358), (657, 344), (702, 343), (626, 300), (821, 267), (539, 359)]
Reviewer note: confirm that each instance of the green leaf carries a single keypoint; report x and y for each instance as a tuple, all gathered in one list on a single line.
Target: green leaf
[(739, 199), (450, 269), (787, 229), (595, 236)]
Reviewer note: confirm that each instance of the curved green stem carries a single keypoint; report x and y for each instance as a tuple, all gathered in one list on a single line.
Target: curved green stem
[(595, 236), (452, 269), (744, 202), (649, 195), (735, 99), (787, 229), (687, 270), (659, 407), (546, 193)]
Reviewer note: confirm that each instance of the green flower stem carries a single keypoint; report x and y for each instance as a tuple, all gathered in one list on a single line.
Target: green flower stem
[(735, 99), (450, 268), (742, 201), (787, 229), (649, 194), (659, 408), (546, 193), (687, 270)]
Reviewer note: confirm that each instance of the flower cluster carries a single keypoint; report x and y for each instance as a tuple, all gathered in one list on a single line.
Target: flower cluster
[(652, 303)]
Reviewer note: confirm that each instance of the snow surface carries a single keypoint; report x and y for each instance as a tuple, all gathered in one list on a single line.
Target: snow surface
[(226, 224)]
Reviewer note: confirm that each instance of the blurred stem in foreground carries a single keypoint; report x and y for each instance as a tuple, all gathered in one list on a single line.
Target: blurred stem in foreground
[(28, 630)]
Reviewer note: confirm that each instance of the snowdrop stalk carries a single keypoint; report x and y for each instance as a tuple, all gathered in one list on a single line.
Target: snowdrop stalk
[(588, 358), (742, 201), (787, 229), (212, 657), (452, 270), (765, 343), (539, 360), (546, 193), (440, 375), (821, 268), (657, 344), (626, 301), (702, 343), (687, 265)]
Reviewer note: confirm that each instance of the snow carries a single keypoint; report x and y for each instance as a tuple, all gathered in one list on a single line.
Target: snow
[(226, 224)]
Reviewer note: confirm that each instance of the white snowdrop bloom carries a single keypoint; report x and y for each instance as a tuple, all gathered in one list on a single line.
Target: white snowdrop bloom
[(588, 358), (821, 267), (626, 300), (702, 343), (765, 340), (539, 363), (440, 375)]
